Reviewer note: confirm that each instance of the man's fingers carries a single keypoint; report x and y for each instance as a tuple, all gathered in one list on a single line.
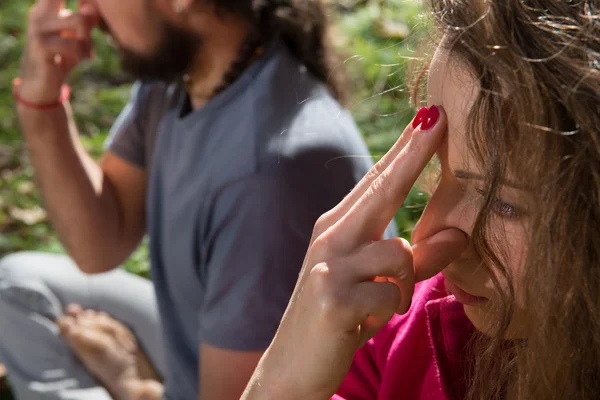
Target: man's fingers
[(433, 254), (50, 5), (90, 15), (121, 332), (71, 25), (74, 310), (72, 49), (367, 219), (65, 324), (105, 324), (79, 336), (86, 341)]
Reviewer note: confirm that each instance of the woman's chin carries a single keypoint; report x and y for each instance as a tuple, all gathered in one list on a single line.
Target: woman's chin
[(482, 321), (477, 316)]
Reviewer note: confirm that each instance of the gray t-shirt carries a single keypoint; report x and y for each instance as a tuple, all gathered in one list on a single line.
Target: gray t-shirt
[(233, 193)]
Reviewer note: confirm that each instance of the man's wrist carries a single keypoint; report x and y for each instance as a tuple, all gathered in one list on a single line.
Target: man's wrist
[(39, 95)]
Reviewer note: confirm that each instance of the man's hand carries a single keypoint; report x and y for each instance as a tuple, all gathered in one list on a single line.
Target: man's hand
[(109, 351), (98, 211), (57, 40)]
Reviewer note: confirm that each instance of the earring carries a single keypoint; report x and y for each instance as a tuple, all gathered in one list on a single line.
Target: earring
[(178, 7)]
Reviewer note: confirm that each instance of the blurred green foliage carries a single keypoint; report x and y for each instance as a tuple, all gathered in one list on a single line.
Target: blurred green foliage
[(375, 36)]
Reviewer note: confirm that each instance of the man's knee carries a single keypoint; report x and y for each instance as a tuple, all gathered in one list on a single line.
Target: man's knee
[(22, 287), (24, 265)]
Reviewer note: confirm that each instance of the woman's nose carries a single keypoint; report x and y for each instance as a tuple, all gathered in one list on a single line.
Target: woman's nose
[(443, 211)]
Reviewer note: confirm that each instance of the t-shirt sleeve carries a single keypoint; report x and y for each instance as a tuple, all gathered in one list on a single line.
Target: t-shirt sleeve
[(127, 137), (257, 241)]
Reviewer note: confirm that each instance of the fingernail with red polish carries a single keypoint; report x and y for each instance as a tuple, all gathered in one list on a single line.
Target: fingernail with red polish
[(432, 117), (421, 115)]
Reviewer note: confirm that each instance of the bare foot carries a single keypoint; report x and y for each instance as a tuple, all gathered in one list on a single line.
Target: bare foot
[(109, 350)]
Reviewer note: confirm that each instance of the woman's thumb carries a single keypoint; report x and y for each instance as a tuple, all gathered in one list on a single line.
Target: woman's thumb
[(431, 255)]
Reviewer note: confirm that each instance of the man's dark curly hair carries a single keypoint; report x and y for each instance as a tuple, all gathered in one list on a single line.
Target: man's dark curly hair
[(302, 24)]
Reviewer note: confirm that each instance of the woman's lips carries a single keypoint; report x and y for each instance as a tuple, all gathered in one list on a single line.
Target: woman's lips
[(462, 296)]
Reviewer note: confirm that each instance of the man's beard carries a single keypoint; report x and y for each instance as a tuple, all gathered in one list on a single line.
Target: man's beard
[(169, 61)]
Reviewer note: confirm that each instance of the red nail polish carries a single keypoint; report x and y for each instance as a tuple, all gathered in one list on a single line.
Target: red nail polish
[(421, 115), (432, 117)]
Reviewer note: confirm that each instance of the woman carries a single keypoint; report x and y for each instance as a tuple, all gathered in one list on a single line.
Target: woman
[(513, 225)]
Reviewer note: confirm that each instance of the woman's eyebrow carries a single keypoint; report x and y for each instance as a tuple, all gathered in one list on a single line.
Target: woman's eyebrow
[(462, 174)]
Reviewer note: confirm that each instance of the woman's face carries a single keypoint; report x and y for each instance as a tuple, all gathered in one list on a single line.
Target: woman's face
[(459, 196)]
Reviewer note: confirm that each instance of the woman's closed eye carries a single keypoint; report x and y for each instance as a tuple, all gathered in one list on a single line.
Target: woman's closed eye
[(503, 208)]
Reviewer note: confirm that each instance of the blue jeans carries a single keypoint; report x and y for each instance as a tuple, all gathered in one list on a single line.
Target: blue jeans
[(35, 288)]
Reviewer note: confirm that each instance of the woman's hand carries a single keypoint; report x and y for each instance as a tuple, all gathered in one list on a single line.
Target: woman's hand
[(352, 282)]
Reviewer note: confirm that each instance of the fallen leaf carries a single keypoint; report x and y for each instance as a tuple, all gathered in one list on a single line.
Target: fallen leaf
[(26, 188), (29, 216)]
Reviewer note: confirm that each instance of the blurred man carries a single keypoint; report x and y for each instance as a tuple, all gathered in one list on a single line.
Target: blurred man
[(232, 145)]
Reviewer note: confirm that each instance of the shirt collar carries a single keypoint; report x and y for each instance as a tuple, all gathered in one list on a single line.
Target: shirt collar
[(449, 332)]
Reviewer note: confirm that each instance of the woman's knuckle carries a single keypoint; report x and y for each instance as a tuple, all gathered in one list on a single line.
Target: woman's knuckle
[(324, 242), (322, 280), (415, 146), (319, 225), (376, 170), (328, 305), (332, 298), (322, 286), (380, 187), (396, 252), (320, 273), (325, 221), (400, 248), (332, 305)]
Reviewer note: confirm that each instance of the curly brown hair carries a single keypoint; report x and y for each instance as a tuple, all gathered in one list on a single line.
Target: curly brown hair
[(538, 113)]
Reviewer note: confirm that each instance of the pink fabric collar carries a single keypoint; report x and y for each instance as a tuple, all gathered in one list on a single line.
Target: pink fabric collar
[(449, 333), (418, 356)]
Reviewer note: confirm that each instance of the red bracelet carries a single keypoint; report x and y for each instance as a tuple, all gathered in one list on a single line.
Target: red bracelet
[(65, 93)]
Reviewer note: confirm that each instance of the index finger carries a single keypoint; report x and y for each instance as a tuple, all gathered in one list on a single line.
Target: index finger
[(368, 218), (51, 5), (90, 11), (346, 204)]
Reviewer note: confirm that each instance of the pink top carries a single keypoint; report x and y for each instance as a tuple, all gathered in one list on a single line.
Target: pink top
[(419, 355)]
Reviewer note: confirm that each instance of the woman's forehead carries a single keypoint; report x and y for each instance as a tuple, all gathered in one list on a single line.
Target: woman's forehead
[(451, 85)]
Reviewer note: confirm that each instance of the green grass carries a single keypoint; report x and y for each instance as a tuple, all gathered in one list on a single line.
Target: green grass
[(379, 104)]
